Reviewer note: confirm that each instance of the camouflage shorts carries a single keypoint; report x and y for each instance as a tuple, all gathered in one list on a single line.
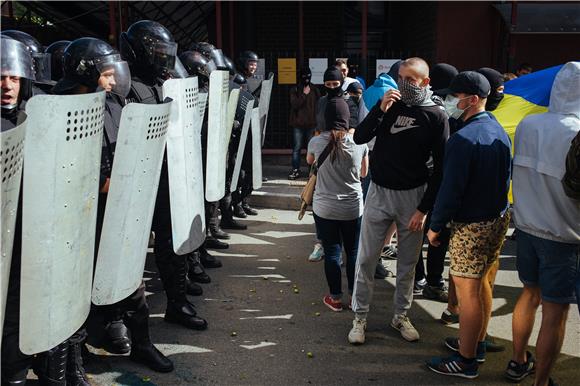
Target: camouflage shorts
[(474, 247)]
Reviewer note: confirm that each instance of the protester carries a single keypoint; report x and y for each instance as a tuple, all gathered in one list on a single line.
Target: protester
[(473, 197), (430, 283), (342, 66), (337, 203), (524, 69), (303, 100), (547, 222), (409, 128)]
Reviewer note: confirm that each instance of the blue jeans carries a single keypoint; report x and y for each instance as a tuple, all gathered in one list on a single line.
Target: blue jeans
[(299, 136), (333, 235)]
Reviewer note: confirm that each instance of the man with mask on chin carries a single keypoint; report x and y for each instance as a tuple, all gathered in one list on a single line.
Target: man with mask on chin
[(303, 100), (409, 128), (473, 199)]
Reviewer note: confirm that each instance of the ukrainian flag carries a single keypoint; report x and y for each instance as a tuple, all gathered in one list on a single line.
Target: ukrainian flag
[(529, 94)]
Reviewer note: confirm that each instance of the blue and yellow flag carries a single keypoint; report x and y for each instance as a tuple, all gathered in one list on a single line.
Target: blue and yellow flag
[(529, 94)]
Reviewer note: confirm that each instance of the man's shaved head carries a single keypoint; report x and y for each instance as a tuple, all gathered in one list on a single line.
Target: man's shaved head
[(419, 66)]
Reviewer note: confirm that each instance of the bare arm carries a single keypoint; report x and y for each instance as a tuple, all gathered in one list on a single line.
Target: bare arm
[(364, 168), (309, 158)]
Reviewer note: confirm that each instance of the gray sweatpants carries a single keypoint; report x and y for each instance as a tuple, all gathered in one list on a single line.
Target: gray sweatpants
[(383, 207)]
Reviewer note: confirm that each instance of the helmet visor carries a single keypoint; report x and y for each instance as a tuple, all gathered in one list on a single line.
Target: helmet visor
[(179, 70), (16, 60), (164, 54), (42, 67), (115, 76)]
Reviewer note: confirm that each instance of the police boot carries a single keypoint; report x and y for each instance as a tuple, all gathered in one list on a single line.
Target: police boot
[(248, 209), (212, 242), (179, 309), (116, 338), (195, 271), (228, 222), (75, 372), (51, 368), (218, 233), (193, 289), (207, 260), (143, 351), (239, 211)]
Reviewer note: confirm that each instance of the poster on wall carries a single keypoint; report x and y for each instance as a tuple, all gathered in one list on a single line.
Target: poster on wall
[(384, 65), (317, 67), (286, 70)]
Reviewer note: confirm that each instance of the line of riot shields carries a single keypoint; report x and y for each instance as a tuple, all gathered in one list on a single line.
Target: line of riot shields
[(114, 145)]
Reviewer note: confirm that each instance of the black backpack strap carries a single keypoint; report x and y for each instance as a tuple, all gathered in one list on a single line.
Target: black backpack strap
[(321, 158)]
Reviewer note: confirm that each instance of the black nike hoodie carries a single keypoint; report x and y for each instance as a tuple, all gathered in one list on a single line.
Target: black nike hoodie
[(406, 137)]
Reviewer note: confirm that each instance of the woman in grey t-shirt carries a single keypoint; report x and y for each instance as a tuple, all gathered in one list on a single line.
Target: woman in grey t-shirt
[(338, 203)]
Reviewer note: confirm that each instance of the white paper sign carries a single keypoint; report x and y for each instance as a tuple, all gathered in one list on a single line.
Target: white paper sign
[(384, 65), (317, 67)]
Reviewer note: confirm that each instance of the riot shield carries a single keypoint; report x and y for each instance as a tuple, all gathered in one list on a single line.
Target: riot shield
[(245, 117), (130, 201), (59, 209), (256, 149), (185, 166), (216, 136), (232, 106), (12, 142), (264, 103)]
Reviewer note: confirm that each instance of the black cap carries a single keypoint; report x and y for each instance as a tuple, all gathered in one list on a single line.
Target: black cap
[(354, 87), (468, 82), (332, 73), (441, 76), (494, 77)]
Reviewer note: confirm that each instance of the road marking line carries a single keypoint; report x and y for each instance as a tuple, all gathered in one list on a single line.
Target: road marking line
[(170, 349), (271, 276), (267, 268), (251, 310), (270, 260), (287, 317), (259, 345)]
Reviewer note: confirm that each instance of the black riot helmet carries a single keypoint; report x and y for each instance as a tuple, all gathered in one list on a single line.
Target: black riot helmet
[(40, 58), (17, 62), (197, 64), (230, 66), (86, 60), (211, 53), (149, 46), (246, 57), (56, 51)]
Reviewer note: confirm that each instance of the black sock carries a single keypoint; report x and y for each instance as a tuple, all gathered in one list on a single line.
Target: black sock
[(469, 361)]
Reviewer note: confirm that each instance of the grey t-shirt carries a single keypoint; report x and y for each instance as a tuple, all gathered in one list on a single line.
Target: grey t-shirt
[(338, 192)]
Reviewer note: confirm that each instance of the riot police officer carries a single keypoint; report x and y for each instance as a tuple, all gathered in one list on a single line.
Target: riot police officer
[(17, 78), (150, 50), (56, 51)]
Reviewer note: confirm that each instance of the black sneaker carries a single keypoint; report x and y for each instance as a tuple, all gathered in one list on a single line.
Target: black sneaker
[(439, 294), (294, 174), (419, 286), (453, 345), (448, 317), (516, 372), (492, 346), (454, 366)]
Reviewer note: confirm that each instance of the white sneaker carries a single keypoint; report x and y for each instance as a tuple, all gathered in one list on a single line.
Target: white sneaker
[(357, 333), (317, 254), (405, 327)]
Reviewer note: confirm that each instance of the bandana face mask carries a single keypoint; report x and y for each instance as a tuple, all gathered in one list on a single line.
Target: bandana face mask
[(411, 94)]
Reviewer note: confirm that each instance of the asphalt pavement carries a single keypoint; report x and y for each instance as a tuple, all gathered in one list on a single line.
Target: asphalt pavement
[(268, 326)]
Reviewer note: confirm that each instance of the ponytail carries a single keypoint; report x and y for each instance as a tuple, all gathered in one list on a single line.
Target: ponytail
[(336, 148)]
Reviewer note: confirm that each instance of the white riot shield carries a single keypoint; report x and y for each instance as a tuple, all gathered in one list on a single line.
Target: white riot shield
[(185, 166), (242, 145), (232, 105), (59, 210), (12, 142), (256, 149), (202, 102), (130, 201), (264, 103), (217, 143)]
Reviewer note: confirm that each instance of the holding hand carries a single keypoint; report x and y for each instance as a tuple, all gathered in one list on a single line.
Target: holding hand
[(306, 90)]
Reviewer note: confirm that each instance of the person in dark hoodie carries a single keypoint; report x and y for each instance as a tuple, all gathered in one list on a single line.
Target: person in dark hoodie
[(337, 203), (303, 100), (409, 129)]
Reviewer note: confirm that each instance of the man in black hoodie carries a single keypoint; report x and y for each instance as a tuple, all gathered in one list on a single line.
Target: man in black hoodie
[(409, 128)]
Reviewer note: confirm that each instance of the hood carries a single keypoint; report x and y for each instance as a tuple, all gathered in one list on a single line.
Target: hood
[(385, 80), (565, 95)]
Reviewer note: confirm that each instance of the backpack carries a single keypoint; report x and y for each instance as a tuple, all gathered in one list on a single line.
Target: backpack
[(571, 180)]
